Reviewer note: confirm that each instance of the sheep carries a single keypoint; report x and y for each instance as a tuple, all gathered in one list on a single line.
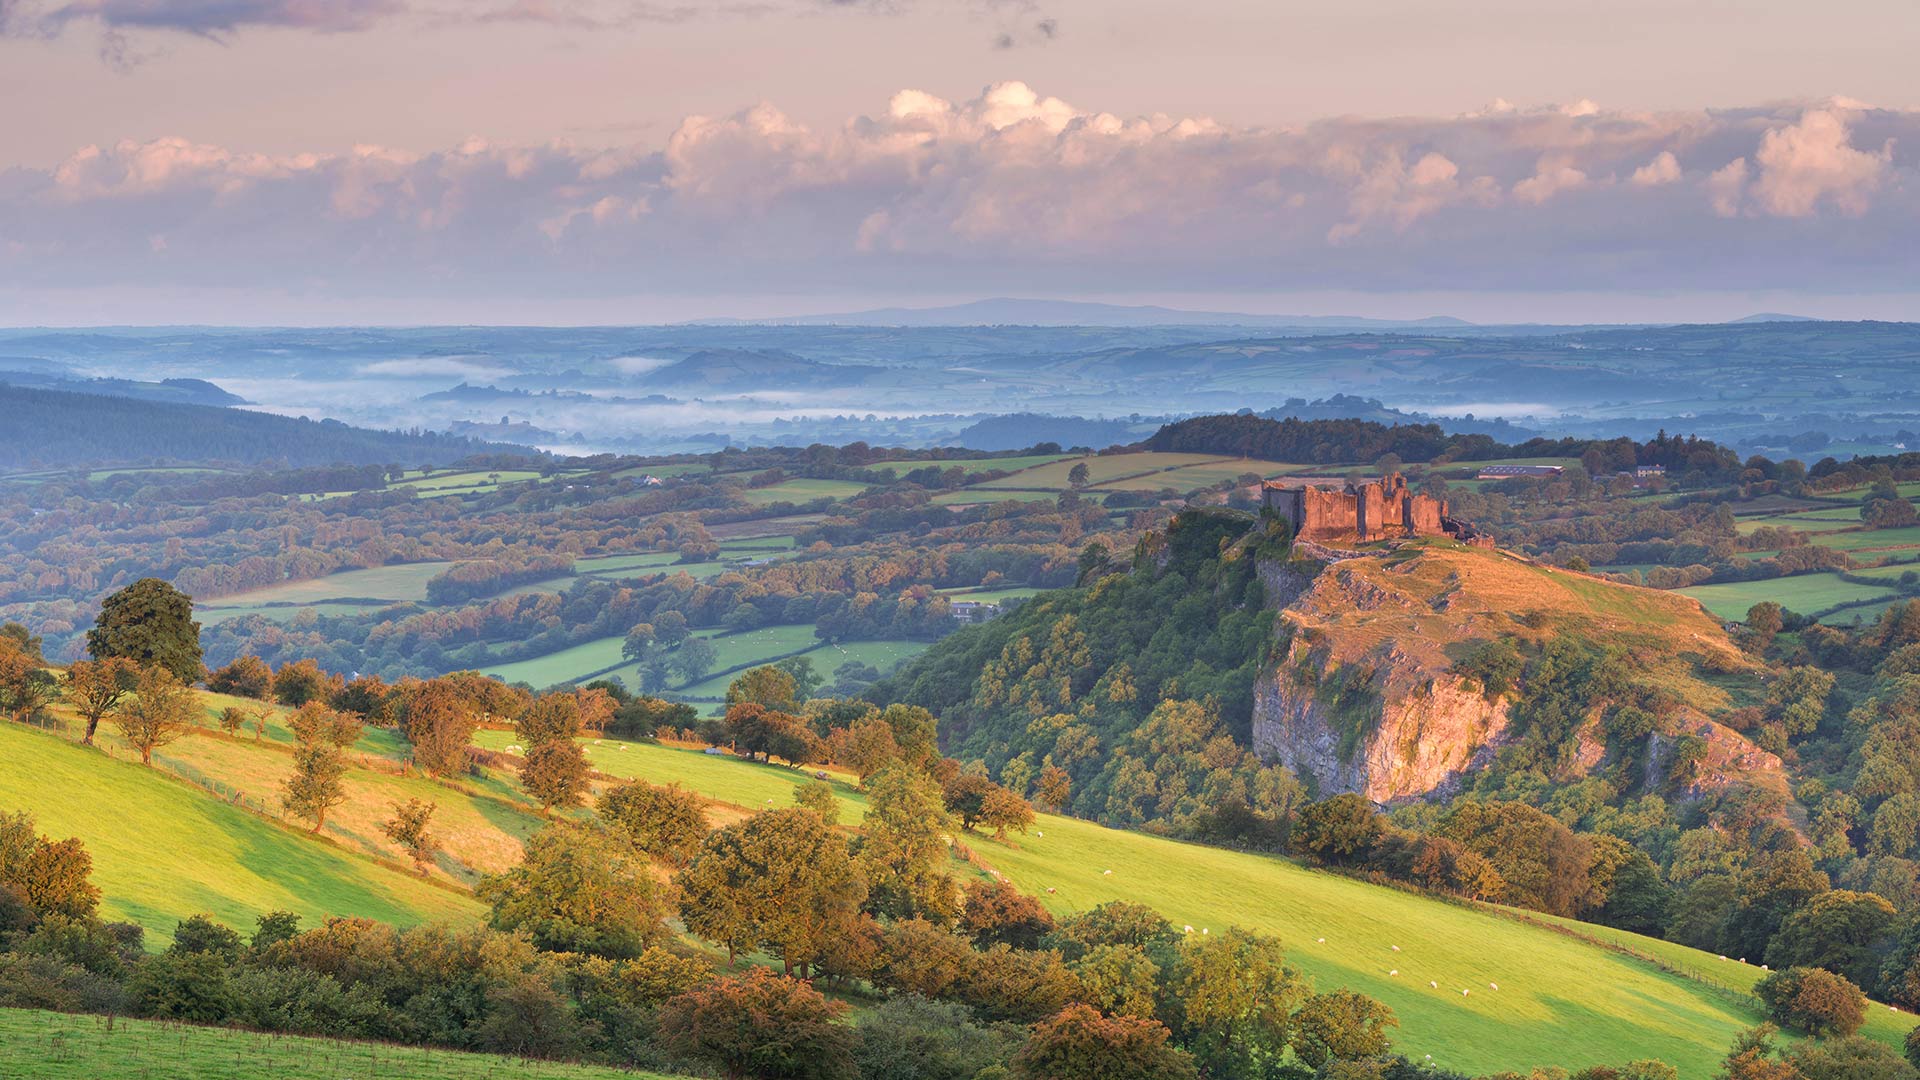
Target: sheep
[(1396, 948), (1464, 991), (1189, 929), (1395, 971), (1493, 986), (1433, 984), (1321, 941), (1050, 889), (1106, 873), (1037, 832)]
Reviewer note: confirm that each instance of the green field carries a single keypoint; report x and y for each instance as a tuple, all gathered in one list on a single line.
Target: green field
[(1804, 593), (55, 1046), (219, 612), (1560, 1000), (163, 850), (730, 651), (1101, 469), (979, 495), (610, 564), (1195, 477), (801, 491), (991, 596)]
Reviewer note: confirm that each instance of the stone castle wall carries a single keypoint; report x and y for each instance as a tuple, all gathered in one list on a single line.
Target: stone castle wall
[(1382, 509)]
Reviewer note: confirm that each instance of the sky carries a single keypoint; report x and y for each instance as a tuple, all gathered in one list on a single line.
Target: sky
[(604, 161)]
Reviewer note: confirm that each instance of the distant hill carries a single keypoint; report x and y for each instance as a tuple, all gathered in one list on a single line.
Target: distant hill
[(1021, 430), (1772, 316), (56, 429), (1006, 311), (39, 376), (748, 369)]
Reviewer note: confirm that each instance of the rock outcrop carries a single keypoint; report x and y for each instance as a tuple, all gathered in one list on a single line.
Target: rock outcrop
[(1365, 696)]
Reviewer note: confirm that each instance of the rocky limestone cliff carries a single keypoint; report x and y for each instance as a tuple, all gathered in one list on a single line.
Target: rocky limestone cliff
[(1364, 697), (1414, 740)]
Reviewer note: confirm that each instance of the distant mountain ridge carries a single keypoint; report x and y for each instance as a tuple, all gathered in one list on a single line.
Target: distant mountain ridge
[(1010, 311)]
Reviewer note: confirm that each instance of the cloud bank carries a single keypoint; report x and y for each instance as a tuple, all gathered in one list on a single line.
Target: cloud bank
[(1011, 191)]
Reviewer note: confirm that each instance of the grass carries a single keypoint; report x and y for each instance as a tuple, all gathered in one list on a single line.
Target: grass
[(1561, 1001), (992, 596), (38, 1045), (1195, 477), (1805, 593), (210, 615), (802, 491), (1101, 470), (163, 850)]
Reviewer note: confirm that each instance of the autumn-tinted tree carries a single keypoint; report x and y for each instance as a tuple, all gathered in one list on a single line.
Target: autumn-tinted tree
[(1852, 1058), (761, 1026), (409, 827), (1055, 788), (995, 913), (1754, 1057), (246, 676), (555, 772), (1116, 922), (50, 877), (1813, 1000), (1079, 1043), (25, 687), (555, 716), (151, 623), (694, 658), (159, 712), (579, 889), (300, 682), (965, 795), (901, 850), (781, 880), (440, 722), (1002, 810)]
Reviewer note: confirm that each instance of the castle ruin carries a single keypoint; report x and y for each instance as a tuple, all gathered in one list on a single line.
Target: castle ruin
[(1382, 509)]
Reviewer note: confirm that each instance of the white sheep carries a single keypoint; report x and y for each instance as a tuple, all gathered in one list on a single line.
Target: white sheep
[(1395, 971), (1464, 992), (1493, 986), (1433, 984), (1105, 873), (1322, 941), (1396, 948), (1189, 928)]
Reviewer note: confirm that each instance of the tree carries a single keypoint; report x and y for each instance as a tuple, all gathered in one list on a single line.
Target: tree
[(667, 822), (1844, 932), (1079, 1043), (555, 716), (97, 687), (996, 913), (151, 623), (297, 683), (1813, 1000), (1339, 830), (910, 1038), (670, 629), (694, 658), (1002, 810), (1765, 620), (555, 773), (1753, 1057), (639, 642), (901, 848), (579, 889), (440, 722), (25, 686), (805, 679), (408, 827), (1341, 1026), (1235, 995), (817, 796), (766, 686), (1055, 788), (761, 1026), (49, 877), (1851, 1058), (965, 796), (781, 880), (319, 761), (161, 711), (1078, 476)]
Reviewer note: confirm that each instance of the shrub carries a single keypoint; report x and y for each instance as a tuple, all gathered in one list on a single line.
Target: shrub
[(761, 1026), (1080, 1044), (1813, 1000), (911, 1038)]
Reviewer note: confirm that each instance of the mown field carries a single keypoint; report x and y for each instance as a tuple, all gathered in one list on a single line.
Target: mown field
[(163, 850), (38, 1045), (1802, 592), (1559, 1000)]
